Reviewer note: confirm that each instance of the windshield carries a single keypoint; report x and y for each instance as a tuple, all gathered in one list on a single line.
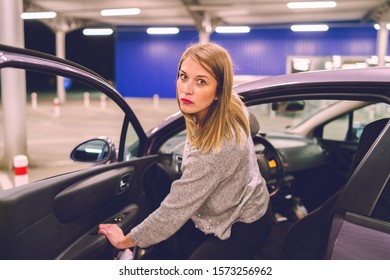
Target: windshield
[(279, 121)]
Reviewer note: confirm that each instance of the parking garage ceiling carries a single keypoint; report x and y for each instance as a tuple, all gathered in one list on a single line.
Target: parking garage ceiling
[(199, 13)]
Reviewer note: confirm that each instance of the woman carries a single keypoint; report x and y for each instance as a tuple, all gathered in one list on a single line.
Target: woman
[(219, 208)]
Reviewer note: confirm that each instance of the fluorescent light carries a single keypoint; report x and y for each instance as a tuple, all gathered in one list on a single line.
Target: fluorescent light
[(120, 12), (38, 15), (162, 30), (378, 27), (232, 29), (97, 31), (311, 5), (310, 27)]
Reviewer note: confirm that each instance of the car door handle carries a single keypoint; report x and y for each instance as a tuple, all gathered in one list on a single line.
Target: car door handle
[(124, 182), (123, 185)]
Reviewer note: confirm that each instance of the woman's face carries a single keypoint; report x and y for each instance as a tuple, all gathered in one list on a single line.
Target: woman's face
[(196, 88)]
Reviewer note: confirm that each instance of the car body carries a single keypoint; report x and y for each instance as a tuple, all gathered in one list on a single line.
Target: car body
[(305, 165)]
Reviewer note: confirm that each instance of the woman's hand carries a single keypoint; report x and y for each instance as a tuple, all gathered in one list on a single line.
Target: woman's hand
[(116, 236)]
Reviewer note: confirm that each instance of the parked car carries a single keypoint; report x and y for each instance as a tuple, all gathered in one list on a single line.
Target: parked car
[(322, 141)]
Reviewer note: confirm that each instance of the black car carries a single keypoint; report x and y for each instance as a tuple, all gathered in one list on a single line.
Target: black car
[(322, 141)]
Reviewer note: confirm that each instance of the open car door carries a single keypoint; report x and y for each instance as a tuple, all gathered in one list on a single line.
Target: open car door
[(58, 217)]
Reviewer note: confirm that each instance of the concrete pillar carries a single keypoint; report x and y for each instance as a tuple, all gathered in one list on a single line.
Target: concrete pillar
[(60, 52), (204, 37), (382, 43), (13, 85), (206, 29), (61, 26)]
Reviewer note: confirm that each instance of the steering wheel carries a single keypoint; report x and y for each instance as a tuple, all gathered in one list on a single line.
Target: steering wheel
[(271, 165)]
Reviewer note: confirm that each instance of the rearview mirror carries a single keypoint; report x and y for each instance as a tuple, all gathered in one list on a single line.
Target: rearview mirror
[(288, 106), (99, 150)]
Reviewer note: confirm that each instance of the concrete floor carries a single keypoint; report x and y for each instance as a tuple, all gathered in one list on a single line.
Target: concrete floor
[(52, 133)]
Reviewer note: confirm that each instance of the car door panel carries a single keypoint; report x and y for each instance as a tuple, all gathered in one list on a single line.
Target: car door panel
[(94, 246), (81, 198), (44, 219), (361, 238)]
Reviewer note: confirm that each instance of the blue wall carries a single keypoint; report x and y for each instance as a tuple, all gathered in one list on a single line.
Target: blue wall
[(146, 65)]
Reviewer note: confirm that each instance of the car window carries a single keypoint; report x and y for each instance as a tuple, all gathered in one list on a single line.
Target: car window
[(274, 120), (54, 129), (338, 129), (131, 144), (314, 113), (306, 121), (174, 144), (270, 119), (382, 208)]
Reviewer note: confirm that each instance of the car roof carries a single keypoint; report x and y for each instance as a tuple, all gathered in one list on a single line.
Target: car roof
[(361, 76)]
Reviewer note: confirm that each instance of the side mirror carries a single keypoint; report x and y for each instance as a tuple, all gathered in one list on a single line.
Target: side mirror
[(289, 106), (99, 150)]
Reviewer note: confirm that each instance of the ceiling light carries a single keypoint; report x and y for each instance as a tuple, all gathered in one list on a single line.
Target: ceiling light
[(162, 30), (232, 29), (97, 31), (310, 27), (311, 5), (378, 27), (38, 15), (120, 12)]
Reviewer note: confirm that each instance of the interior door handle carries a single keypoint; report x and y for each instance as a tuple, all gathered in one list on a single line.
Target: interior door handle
[(124, 183)]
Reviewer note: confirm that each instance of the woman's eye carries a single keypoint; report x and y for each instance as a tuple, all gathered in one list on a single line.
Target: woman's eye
[(183, 76), (202, 82)]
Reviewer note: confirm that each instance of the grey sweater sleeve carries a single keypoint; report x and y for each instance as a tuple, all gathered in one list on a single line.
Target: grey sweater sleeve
[(200, 176), (196, 192)]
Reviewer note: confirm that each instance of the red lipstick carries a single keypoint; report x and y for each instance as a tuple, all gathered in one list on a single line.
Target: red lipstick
[(186, 101)]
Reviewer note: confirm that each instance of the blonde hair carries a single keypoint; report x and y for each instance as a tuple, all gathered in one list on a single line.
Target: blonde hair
[(226, 118)]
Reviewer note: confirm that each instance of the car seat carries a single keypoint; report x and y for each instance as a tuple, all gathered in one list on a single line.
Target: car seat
[(307, 238), (254, 125)]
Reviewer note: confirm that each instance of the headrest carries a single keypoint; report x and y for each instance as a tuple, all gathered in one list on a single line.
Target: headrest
[(253, 125)]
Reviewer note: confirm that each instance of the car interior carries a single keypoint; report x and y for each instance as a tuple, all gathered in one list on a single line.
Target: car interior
[(307, 238), (303, 196)]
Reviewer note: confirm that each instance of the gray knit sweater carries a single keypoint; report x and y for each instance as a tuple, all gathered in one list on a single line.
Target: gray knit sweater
[(215, 191)]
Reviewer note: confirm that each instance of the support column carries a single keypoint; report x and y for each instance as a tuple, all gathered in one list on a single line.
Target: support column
[(61, 26), (204, 37), (60, 52), (382, 43), (206, 29), (13, 85)]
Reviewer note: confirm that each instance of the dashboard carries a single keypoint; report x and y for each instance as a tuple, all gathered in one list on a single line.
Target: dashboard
[(293, 153), (298, 153)]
